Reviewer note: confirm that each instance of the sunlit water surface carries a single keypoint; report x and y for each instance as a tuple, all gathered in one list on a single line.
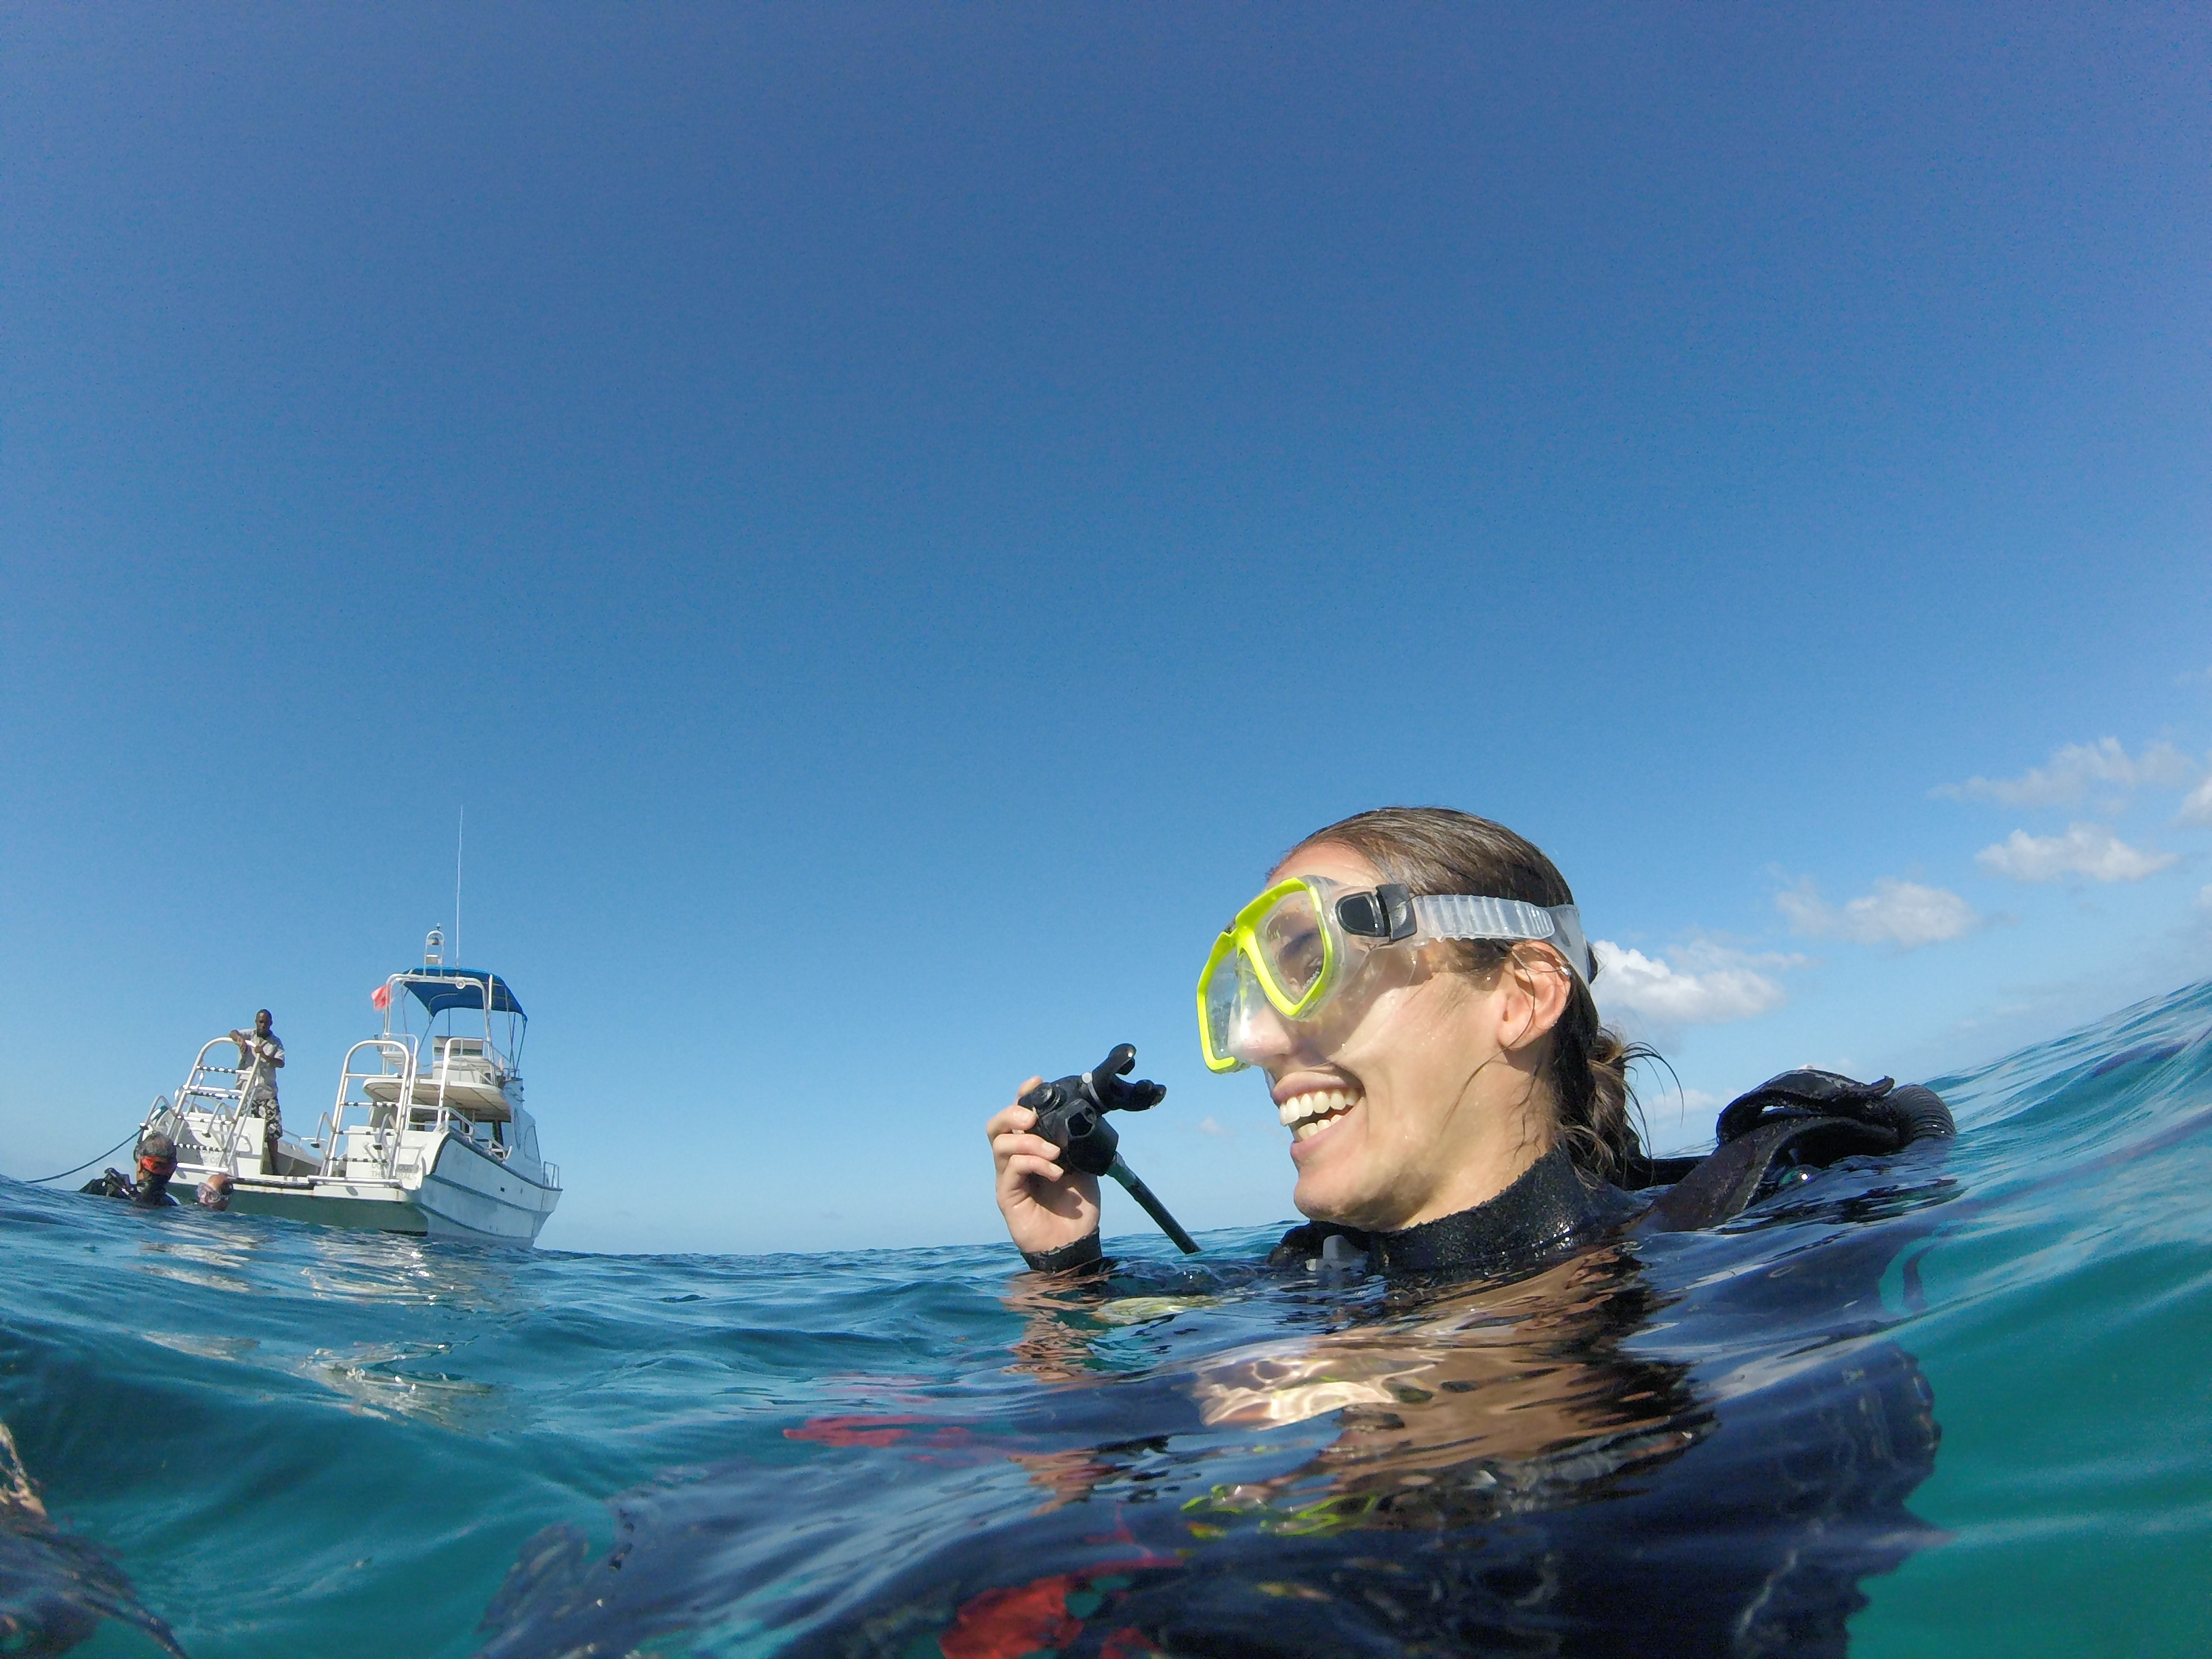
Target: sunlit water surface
[(258, 1438)]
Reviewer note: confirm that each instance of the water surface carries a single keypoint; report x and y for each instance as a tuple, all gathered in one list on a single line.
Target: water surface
[(1958, 1403)]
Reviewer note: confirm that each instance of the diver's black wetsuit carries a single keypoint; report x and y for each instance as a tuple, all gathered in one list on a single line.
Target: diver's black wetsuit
[(1732, 1525), (1564, 1427), (148, 1194), (1548, 1210)]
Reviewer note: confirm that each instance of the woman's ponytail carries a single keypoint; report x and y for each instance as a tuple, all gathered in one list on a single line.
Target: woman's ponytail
[(1590, 1079)]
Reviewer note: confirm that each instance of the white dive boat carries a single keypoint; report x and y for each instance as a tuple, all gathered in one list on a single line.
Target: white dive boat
[(427, 1134)]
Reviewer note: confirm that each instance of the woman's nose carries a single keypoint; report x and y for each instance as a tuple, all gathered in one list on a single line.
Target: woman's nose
[(1266, 1040)]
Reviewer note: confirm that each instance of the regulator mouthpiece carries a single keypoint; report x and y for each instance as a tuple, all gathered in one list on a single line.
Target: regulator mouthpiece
[(1072, 1115)]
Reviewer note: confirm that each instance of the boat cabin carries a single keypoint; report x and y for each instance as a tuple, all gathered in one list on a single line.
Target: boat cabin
[(463, 1069)]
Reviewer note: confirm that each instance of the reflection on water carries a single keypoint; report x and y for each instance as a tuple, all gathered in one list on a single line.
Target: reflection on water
[(397, 1380), (205, 1346), (366, 1267), (1143, 1309), (231, 1254), (200, 1276), (1483, 1400), (1407, 1471)]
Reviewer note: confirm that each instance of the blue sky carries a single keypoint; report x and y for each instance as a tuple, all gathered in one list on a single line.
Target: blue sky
[(891, 519)]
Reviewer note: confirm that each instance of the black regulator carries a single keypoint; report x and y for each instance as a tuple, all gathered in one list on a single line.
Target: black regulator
[(1072, 1115)]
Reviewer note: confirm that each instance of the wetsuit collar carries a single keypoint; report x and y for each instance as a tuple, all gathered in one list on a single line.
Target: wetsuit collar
[(1547, 1208)]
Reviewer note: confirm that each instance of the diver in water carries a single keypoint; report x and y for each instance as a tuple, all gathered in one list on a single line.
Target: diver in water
[(1416, 985), (157, 1162), (1522, 1404)]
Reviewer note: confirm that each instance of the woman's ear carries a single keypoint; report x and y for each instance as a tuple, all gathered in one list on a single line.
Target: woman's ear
[(1536, 989)]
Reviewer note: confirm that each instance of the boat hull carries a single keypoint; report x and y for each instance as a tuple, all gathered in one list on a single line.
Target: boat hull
[(469, 1193), (377, 1205), (465, 1193)]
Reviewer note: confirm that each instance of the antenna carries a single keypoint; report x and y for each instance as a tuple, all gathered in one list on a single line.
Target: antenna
[(461, 830)]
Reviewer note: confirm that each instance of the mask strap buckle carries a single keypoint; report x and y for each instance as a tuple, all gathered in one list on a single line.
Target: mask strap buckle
[(1386, 914)]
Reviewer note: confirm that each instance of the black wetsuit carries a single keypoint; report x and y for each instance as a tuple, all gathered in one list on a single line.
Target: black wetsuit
[(1550, 1209), (148, 1193)]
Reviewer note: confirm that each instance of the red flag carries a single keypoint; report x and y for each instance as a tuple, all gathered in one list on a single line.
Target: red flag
[(381, 997)]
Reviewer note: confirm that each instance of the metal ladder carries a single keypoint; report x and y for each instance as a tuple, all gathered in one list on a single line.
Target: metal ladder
[(394, 1058), (223, 1102)]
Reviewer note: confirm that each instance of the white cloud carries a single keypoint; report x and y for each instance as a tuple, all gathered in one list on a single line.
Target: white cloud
[(2066, 781), (1208, 1126), (1634, 983), (2086, 849), (2197, 809), (1705, 955), (1900, 913)]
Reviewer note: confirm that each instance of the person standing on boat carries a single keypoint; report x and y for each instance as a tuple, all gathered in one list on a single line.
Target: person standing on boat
[(258, 1084)]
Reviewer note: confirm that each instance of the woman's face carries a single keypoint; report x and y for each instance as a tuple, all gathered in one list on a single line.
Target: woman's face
[(1421, 1097)]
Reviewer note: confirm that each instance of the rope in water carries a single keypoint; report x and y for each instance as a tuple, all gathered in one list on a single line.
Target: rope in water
[(89, 1162)]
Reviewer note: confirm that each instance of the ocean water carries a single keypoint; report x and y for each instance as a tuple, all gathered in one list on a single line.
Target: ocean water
[(1956, 1403)]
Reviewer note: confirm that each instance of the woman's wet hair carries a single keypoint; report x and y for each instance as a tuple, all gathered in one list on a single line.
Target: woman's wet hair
[(1434, 850)]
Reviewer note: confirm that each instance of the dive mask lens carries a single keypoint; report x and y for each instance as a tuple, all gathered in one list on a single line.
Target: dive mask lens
[(1279, 947), (1293, 950), (1221, 1007)]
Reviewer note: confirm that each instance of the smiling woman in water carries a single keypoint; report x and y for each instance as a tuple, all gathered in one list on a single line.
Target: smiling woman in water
[(1546, 1425), (1416, 985)]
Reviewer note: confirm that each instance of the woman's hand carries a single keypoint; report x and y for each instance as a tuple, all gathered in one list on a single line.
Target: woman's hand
[(1046, 1206)]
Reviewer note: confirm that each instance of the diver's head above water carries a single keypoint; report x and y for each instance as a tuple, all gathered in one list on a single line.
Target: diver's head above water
[(157, 1163), (1438, 1048), (1415, 985)]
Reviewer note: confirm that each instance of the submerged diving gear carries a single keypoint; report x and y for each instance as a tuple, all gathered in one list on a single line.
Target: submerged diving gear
[(1300, 942), (1071, 1114)]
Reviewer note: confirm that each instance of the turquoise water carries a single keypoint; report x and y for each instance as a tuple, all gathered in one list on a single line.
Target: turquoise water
[(255, 1438)]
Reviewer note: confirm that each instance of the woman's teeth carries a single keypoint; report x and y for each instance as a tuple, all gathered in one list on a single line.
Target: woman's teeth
[(1310, 1114)]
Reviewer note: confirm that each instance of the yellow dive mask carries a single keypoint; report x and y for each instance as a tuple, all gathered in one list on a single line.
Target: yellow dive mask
[(1299, 943)]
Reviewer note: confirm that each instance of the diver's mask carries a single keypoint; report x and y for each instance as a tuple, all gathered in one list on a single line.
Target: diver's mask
[(1300, 945)]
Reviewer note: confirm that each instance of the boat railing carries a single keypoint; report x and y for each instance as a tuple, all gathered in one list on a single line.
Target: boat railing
[(434, 1115), (163, 1117), (222, 1102), (394, 1057)]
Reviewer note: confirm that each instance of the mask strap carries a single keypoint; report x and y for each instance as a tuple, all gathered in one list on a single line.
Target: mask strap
[(1467, 916)]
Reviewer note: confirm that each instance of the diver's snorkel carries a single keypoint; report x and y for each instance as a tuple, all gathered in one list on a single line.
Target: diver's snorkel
[(1072, 1115)]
